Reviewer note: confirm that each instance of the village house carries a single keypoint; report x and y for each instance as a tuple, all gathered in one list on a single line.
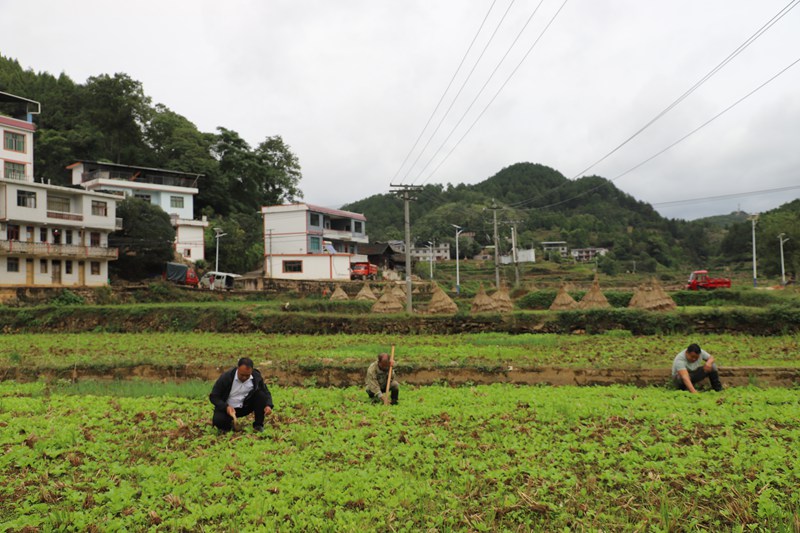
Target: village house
[(309, 242), (171, 190), (49, 235)]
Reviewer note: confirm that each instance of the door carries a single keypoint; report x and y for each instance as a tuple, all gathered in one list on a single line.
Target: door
[(29, 271), (81, 273), (56, 272)]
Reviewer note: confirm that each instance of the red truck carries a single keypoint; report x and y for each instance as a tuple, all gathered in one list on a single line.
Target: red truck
[(363, 271), (700, 280)]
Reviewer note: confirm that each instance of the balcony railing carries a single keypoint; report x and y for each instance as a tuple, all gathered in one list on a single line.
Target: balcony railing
[(64, 216), (46, 249)]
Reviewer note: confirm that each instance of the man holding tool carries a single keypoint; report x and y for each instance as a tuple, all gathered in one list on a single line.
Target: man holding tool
[(239, 392), (380, 381)]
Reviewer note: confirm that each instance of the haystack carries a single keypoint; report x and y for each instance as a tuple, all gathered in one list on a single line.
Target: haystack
[(482, 303), (594, 299), (441, 303), (388, 303), (652, 298), (366, 293), (398, 291), (502, 300), (339, 295), (563, 301)]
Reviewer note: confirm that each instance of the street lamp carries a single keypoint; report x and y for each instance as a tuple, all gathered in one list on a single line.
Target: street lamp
[(783, 271), (219, 234), (458, 276), (430, 249)]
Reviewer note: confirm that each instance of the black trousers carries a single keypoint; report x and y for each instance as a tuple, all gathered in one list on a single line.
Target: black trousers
[(254, 404), (394, 391), (699, 375)]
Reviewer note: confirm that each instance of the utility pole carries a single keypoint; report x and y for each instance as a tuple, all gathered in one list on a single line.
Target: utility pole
[(514, 254), (430, 255), (494, 209), (753, 219), (458, 276), (404, 191), (783, 270)]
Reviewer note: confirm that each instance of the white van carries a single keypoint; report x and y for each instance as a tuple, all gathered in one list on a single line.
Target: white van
[(218, 281)]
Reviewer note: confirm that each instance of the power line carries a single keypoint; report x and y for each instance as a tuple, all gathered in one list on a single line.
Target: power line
[(483, 87), (724, 196), (441, 98)]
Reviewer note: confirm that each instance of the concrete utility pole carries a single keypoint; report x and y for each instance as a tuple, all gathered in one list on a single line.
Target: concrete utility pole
[(458, 276), (753, 219), (430, 255), (404, 191), (783, 270), (494, 209), (514, 254), (219, 234)]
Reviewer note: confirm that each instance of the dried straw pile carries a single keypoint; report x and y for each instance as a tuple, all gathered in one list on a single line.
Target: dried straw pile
[(563, 301), (482, 303), (594, 299), (502, 301), (652, 298), (388, 303), (399, 293), (441, 303), (366, 293), (339, 295)]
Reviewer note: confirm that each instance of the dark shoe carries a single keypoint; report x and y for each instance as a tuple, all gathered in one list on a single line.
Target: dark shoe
[(258, 429)]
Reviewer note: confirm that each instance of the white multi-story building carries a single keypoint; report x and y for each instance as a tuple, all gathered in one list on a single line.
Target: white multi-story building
[(304, 241), (437, 252), (171, 190), (49, 235)]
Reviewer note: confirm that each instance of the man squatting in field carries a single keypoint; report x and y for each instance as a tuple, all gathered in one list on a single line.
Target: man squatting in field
[(692, 366), (240, 391), (377, 375)]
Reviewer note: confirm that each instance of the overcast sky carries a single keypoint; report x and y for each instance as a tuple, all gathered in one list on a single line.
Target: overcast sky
[(350, 84)]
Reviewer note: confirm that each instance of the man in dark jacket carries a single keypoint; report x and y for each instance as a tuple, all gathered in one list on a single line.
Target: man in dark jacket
[(239, 392)]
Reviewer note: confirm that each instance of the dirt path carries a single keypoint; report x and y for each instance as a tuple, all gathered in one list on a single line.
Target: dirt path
[(345, 377)]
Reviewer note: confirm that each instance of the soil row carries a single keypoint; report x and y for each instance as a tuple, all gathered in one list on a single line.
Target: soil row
[(289, 375)]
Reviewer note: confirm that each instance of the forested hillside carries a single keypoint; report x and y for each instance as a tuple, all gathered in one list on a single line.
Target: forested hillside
[(546, 206), (110, 118)]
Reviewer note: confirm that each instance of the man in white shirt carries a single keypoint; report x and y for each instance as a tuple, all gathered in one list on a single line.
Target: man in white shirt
[(239, 392), (692, 366)]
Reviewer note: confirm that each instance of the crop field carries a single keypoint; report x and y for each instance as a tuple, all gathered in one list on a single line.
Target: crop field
[(616, 349), (112, 456)]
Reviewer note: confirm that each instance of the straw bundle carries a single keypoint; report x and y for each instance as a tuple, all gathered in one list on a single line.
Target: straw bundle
[(594, 299), (563, 301), (398, 291), (652, 298), (502, 300), (339, 295), (441, 303), (366, 293), (388, 303), (482, 303)]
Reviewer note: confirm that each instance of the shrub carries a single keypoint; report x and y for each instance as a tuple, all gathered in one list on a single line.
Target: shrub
[(67, 297)]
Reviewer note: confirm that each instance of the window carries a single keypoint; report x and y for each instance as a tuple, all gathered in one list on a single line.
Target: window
[(176, 201), (43, 266), (314, 219), (95, 265), (56, 236), (14, 141), (12, 233), (358, 227), (187, 252), (14, 171), (43, 234), (94, 238), (292, 266), (314, 245), (68, 267), (29, 233), (26, 199), (58, 203), (12, 264), (140, 196), (99, 209), (68, 236)]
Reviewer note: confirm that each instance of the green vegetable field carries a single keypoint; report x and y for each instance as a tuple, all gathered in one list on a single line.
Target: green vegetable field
[(138, 455)]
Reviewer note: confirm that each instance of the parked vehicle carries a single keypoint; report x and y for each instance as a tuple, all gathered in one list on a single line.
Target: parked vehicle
[(180, 274), (363, 271), (699, 279), (217, 281)]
